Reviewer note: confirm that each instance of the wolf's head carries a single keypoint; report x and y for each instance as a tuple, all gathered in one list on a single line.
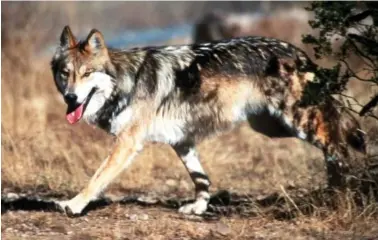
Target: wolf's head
[(82, 73)]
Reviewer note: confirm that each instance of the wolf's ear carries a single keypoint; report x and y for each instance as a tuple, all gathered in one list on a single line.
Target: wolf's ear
[(280, 66), (67, 39), (95, 42)]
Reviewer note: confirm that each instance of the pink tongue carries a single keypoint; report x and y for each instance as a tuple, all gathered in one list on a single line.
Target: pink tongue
[(76, 115)]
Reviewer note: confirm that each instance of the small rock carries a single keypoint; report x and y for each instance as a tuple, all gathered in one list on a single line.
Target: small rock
[(222, 229), (290, 185), (260, 197), (147, 200), (133, 217), (12, 196), (185, 185), (171, 183), (143, 217)]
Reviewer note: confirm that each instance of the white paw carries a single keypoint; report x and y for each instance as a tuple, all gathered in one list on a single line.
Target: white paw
[(72, 207), (197, 208)]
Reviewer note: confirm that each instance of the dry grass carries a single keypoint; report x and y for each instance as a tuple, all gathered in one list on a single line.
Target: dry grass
[(39, 149)]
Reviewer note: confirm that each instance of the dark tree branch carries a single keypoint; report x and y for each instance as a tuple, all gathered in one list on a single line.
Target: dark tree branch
[(359, 17), (371, 44), (373, 102), (354, 73), (365, 56)]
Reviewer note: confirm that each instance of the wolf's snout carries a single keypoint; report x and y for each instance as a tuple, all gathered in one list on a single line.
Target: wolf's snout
[(70, 98)]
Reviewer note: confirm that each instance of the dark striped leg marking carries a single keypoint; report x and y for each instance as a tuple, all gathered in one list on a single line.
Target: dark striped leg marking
[(189, 157)]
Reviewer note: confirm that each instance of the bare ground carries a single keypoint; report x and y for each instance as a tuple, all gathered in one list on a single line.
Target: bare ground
[(135, 222), (277, 216)]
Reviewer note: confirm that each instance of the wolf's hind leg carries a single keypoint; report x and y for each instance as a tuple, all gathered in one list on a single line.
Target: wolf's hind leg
[(334, 131), (189, 156)]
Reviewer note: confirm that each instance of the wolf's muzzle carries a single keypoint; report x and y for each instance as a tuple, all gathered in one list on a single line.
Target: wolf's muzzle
[(70, 98)]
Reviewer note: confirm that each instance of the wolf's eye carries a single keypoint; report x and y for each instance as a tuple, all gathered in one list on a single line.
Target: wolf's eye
[(87, 74), (64, 74)]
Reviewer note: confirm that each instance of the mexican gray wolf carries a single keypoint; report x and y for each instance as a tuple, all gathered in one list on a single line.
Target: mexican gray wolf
[(182, 94), (286, 24)]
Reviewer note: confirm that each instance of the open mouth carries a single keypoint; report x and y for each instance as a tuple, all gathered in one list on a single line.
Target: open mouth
[(75, 111)]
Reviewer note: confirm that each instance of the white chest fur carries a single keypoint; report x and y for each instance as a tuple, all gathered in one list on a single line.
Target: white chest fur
[(160, 130), (166, 131), (120, 121)]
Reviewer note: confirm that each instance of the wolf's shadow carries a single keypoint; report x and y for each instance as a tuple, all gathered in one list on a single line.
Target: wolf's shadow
[(280, 206), (221, 203)]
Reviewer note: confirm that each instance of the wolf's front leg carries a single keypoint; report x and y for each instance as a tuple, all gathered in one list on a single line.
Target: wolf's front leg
[(189, 156), (127, 147)]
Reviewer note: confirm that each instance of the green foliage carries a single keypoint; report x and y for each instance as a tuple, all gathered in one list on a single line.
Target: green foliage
[(329, 17), (345, 22)]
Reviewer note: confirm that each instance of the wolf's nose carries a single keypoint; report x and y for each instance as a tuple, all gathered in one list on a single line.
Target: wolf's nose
[(70, 98)]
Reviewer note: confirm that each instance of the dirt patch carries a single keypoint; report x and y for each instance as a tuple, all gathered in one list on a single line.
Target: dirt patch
[(302, 213), (230, 217)]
